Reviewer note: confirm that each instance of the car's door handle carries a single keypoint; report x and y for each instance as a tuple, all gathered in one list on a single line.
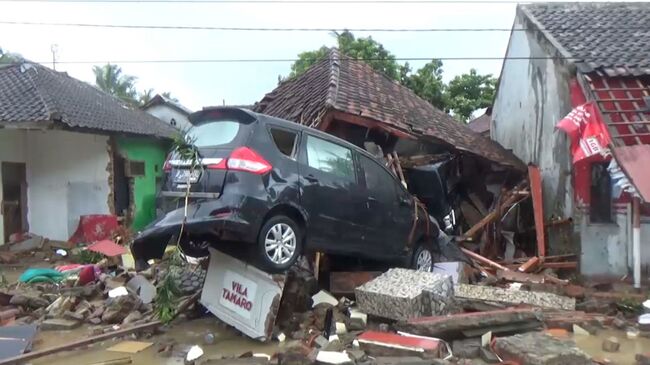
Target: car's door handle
[(311, 178)]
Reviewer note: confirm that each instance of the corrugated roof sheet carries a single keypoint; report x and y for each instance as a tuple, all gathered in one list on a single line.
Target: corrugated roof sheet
[(354, 87), (611, 38), (34, 94), (634, 162)]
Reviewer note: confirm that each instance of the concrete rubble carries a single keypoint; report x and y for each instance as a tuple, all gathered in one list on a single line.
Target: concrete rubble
[(475, 293), (537, 348), (401, 294)]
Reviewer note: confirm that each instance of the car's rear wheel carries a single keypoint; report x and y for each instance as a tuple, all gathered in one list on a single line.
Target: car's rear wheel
[(423, 257), (279, 243)]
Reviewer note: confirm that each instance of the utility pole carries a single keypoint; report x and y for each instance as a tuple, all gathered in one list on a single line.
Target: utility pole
[(55, 50)]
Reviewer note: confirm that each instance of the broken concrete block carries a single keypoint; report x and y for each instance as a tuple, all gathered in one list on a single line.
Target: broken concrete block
[(538, 348), (642, 359), (31, 243), (119, 308), (479, 293), (611, 344), (401, 294), (59, 324), (488, 356), (31, 300), (60, 306), (468, 348), (401, 360), (132, 317), (391, 344), (323, 297)]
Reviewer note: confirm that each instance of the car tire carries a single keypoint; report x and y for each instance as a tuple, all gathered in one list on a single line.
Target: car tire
[(279, 243), (192, 250), (424, 257)]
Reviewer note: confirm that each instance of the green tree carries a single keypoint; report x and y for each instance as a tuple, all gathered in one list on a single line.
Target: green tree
[(366, 49), (7, 57), (469, 92), (146, 96), (109, 78), (427, 83)]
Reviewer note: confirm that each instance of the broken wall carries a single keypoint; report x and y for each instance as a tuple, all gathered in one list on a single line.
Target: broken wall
[(66, 177), (12, 149), (532, 96), (152, 153)]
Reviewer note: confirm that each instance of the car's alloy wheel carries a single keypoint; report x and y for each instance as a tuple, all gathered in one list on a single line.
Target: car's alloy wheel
[(424, 261), (280, 243)]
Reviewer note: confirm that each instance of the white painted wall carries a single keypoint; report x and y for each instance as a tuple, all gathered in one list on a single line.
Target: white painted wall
[(166, 114), (12, 149), (66, 176), (532, 96)]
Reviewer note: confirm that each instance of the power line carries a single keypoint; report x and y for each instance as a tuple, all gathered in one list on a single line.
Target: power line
[(276, 1), (263, 29), (280, 60)]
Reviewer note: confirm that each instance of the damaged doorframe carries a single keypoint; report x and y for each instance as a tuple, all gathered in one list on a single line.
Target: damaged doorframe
[(121, 199)]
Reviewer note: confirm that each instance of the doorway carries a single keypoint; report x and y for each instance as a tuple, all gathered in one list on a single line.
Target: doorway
[(14, 198)]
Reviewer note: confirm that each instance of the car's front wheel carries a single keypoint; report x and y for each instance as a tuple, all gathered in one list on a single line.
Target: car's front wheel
[(279, 243)]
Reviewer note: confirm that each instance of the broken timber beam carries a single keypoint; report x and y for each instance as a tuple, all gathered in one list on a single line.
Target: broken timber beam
[(493, 215), (483, 260), (530, 265)]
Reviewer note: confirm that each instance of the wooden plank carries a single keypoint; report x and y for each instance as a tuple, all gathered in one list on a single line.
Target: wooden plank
[(483, 260), (560, 265), (538, 207), (491, 217), (529, 265)]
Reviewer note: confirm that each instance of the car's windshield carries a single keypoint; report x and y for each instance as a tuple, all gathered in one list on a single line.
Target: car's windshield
[(210, 134)]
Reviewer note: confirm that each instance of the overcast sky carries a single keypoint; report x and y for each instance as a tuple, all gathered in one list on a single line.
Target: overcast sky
[(197, 85)]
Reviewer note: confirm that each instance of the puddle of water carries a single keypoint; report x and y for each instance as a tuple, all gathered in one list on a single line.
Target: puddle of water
[(228, 342), (592, 345)]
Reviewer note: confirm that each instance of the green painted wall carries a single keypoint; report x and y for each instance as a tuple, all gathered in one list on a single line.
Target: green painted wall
[(152, 152)]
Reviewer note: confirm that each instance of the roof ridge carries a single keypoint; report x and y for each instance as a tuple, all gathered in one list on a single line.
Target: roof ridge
[(335, 73), (46, 98)]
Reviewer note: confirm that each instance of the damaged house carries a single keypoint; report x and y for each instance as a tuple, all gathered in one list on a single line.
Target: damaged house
[(594, 59), (68, 149), (455, 171)]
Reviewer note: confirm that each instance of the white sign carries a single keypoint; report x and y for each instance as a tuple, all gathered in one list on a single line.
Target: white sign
[(237, 294)]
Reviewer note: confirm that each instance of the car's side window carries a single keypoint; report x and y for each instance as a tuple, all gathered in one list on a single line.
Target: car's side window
[(284, 140), (379, 183), (330, 157)]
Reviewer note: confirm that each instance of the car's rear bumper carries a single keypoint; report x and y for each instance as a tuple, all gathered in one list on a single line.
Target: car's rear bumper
[(207, 220)]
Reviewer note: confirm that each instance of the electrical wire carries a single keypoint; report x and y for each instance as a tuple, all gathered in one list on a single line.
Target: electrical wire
[(279, 60), (262, 29)]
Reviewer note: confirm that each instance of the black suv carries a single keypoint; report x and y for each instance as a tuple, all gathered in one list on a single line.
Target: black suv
[(282, 188)]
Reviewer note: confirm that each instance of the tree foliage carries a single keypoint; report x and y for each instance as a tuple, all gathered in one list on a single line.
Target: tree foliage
[(461, 96), (110, 79), (7, 57)]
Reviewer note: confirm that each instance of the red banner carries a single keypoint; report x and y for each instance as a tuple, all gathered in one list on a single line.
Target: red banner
[(588, 134)]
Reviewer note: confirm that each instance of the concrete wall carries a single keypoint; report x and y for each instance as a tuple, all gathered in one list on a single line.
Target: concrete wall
[(12, 149), (532, 96), (166, 114), (152, 153), (66, 177)]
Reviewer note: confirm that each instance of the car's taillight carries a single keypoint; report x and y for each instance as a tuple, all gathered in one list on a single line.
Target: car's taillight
[(221, 165), (245, 159)]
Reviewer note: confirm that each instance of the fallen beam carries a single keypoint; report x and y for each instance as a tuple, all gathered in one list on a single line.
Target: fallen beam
[(529, 265), (483, 260), (560, 265), (453, 326)]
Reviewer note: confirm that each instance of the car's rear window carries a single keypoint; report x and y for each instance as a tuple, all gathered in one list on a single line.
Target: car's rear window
[(210, 134)]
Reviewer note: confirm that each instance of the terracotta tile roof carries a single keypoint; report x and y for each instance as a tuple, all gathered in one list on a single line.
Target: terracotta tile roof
[(634, 162), (350, 86), (612, 38), (32, 94), (480, 124)]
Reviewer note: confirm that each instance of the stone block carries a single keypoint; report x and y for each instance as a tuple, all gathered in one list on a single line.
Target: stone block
[(538, 348), (512, 297), (468, 348), (642, 359), (611, 344), (401, 294), (59, 324)]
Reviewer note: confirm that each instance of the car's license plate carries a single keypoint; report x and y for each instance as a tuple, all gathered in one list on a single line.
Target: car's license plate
[(181, 176)]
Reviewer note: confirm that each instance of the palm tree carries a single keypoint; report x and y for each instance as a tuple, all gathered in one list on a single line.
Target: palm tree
[(110, 79), (146, 96)]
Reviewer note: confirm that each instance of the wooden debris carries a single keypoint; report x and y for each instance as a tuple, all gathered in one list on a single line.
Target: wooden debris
[(509, 200), (530, 265), (483, 260)]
